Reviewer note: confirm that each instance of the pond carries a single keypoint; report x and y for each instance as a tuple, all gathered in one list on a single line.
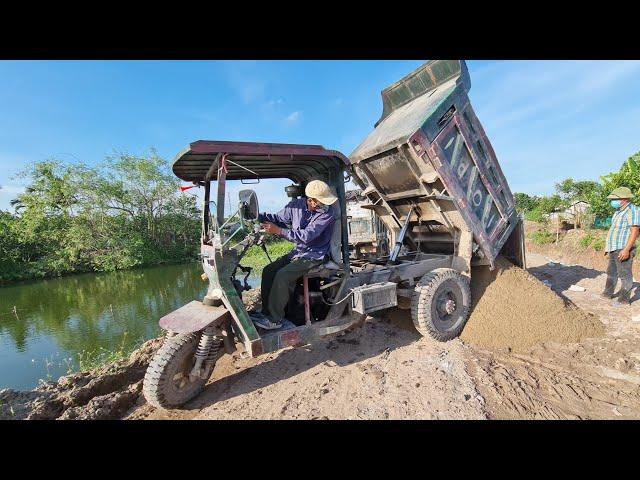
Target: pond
[(48, 326)]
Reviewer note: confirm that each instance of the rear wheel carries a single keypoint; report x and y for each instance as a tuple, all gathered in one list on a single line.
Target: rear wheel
[(441, 303), (167, 383)]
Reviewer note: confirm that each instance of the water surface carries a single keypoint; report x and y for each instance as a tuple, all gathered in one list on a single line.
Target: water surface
[(57, 320)]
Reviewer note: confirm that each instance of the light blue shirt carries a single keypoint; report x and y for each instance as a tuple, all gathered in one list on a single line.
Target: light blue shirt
[(621, 224)]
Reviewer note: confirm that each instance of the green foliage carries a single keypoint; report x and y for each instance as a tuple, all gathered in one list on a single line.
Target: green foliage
[(627, 176), (598, 244), (257, 260), (535, 216), (596, 241), (123, 213), (586, 240), (542, 237), (571, 191), (525, 203), (550, 204)]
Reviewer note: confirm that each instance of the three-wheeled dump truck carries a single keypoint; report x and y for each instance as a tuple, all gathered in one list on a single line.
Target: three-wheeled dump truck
[(430, 175)]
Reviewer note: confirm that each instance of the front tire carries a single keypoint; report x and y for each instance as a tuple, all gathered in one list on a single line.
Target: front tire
[(167, 383), (441, 304)]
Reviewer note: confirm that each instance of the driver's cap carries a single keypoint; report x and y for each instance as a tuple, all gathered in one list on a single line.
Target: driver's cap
[(320, 191)]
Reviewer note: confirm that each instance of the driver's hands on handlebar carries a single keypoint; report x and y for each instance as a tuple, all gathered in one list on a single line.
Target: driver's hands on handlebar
[(271, 228)]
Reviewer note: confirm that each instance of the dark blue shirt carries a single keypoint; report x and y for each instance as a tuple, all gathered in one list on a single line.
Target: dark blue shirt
[(309, 231)]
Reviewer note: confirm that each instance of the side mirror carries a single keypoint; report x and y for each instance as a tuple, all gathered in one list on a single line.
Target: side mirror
[(248, 205)]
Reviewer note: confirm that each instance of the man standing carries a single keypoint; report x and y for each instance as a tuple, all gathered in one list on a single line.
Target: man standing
[(308, 224), (620, 246)]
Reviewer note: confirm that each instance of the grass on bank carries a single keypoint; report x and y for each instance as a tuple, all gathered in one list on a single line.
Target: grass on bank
[(580, 239), (257, 260), (542, 237), (94, 359)]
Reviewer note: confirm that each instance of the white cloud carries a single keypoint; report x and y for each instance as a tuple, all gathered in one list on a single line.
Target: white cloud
[(11, 189), (272, 103), (293, 117), (7, 193), (513, 92)]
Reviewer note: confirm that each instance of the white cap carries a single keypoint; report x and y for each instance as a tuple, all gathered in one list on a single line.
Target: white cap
[(320, 191)]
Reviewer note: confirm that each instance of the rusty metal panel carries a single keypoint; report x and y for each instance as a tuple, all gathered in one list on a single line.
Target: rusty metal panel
[(393, 173), (424, 79), (192, 317), (266, 159), (461, 167), (293, 337), (430, 150)]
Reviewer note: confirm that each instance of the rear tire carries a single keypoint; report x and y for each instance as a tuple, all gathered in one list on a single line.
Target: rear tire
[(166, 383), (441, 304)]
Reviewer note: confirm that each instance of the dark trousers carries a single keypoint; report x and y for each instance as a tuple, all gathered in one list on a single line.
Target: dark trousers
[(278, 283), (619, 270)]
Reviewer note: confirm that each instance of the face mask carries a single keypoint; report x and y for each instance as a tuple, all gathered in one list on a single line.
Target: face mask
[(615, 204)]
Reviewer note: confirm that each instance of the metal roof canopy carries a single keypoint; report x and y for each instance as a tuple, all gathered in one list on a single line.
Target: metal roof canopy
[(268, 160)]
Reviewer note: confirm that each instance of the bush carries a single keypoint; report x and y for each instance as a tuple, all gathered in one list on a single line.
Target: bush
[(586, 240), (542, 237), (535, 216), (598, 244)]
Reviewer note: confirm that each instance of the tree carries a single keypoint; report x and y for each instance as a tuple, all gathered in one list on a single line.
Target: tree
[(572, 191), (627, 176), (525, 203), (550, 204), (125, 212)]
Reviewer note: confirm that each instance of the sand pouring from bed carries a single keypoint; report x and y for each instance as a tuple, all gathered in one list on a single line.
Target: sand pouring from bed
[(513, 310)]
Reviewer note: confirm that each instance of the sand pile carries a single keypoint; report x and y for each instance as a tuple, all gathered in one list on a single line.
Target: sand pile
[(513, 310)]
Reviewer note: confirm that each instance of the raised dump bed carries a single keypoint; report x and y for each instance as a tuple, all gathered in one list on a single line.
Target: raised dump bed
[(428, 172), (429, 154)]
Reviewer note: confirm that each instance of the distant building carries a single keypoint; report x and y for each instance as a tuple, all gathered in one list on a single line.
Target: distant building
[(572, 215), (578, 208)]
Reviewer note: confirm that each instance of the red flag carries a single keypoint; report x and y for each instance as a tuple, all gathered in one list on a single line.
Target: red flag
[(182, 189)]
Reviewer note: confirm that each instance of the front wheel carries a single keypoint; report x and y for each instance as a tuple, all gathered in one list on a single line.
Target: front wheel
[(167, 383), (441, 303)]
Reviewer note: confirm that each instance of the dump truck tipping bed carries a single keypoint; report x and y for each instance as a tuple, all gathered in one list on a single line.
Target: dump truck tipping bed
[(429, 151)]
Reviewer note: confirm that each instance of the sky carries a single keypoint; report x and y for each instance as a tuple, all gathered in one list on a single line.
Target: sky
[(547, 120)]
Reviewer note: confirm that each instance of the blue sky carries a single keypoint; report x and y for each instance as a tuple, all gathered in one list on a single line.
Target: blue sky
[(547, 120)]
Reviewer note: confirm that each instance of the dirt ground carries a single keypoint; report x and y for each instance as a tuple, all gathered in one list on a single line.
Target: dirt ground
[(598, 378), (386, 370)]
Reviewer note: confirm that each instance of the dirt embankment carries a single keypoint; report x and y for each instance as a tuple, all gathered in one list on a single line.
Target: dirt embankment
[(102, 394), (575, 246)]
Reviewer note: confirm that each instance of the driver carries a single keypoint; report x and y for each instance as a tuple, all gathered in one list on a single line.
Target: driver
[(307, 223)]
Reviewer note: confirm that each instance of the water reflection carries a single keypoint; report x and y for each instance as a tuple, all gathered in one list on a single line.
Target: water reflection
[(62, 317)]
